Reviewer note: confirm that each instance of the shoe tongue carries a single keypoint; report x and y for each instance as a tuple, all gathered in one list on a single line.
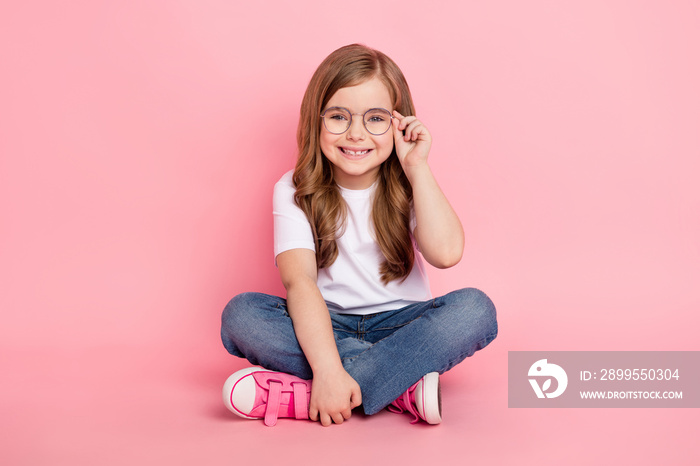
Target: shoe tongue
[(408, 400), (400, 403)]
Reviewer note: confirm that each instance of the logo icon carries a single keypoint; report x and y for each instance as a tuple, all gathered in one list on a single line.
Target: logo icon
[(544, 369)]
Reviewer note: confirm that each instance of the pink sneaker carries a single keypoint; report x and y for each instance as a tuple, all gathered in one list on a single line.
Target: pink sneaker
[(423, 400), (256, 393)]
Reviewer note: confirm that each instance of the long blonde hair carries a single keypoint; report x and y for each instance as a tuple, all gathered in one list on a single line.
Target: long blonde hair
[(316, 191)]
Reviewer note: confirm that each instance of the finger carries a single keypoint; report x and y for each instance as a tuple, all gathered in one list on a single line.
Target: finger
[(398, 134), (338, 418), (346, 413), (313, 413), (406, 122), (355, 398), (408, 127), (395, 122), (403, 120), (325, 420), (413, 126)]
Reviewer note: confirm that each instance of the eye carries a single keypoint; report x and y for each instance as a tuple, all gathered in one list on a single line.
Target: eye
[(377, 116), (337, 114)]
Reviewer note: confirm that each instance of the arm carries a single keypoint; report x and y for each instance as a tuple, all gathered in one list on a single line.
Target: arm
[(438, 232), (334, 392)]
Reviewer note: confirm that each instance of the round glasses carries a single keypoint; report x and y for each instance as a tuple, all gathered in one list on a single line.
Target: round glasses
[(337, 120)]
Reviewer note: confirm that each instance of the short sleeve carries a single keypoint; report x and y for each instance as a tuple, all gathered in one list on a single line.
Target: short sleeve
[(291, 227)]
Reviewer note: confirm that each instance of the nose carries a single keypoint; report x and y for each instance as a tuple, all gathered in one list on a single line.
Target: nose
[(356, 132)]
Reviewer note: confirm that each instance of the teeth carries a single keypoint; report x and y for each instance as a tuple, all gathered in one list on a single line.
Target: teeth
[(352, 152)]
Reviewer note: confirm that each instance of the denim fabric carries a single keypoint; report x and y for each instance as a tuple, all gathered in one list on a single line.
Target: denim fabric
[(385, 353)]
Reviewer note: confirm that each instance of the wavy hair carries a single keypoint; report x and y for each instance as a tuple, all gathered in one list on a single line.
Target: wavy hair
[(316, 191)]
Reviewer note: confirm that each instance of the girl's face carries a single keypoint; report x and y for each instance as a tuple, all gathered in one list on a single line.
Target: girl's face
[(357, 154)]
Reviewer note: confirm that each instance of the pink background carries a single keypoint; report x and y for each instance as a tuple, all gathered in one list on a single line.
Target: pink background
[(139, 142)]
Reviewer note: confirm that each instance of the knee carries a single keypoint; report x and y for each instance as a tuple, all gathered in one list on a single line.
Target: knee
[(240, 304), (476, 312), (237, 319)]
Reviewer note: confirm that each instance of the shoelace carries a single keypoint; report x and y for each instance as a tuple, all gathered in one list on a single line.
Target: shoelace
[(274, 399), (403, 403)]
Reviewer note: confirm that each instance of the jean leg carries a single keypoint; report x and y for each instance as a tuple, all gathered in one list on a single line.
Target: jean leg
[(440, 334), (346, 334), (349, 348), (257, 327)]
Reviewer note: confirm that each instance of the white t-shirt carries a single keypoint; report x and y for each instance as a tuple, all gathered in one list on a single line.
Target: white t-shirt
[(352, 284)]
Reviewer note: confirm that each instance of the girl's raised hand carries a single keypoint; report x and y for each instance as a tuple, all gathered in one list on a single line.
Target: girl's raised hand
[(412, 141)]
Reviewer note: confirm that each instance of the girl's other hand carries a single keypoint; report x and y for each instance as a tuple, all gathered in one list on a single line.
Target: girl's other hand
[(412, 141), (333, 396)]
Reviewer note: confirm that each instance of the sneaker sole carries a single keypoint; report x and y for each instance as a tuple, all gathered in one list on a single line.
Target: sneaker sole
[(431, 397), (241, 387)]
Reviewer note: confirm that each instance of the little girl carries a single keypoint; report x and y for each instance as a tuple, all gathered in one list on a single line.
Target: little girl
[(351, 222)]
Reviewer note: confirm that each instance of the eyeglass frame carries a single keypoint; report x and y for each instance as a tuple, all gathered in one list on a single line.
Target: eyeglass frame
[(392, 117)]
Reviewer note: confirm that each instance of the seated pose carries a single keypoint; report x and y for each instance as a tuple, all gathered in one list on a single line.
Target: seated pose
[(351, 222)]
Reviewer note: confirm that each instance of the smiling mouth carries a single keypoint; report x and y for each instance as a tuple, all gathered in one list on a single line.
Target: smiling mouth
[(354, 153)]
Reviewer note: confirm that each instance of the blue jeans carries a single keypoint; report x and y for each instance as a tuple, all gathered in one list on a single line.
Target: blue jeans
[(385, 353)]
